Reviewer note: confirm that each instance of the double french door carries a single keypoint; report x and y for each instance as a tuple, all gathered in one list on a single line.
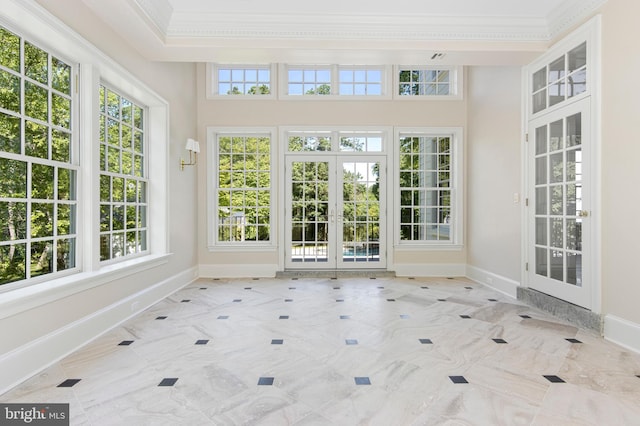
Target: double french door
[(335, 211), (559, 215)]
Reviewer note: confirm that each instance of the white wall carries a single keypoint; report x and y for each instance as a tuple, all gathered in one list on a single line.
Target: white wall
[(36, 336), (494, 175), (620, 168)]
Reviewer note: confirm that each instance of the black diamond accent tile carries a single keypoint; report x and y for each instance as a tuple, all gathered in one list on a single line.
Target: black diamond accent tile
[(223, 317), (336, 288), (499, 340), (255, 279), (372, 278), (425, 341), (288, 300), (292, 288), (404, 316), (380, 288), (426, 288), (284, 317), (265, 381), (247, 288), (237, 300), (465, 316), (638, 376), (334, 278), (216, 279), (277, 341), (412, 278), (458, 379), (345, 316), (391, 300), (449, 278), (69, 383), (161, 318), (492, 300), (442, 300), (185, 301), (573, 340), (554, 379), (203, 288), (294, 279), (339, 300), (168, 381), (469, 288), (362, 381), (125, 343), (201, 342), (525, 316), (351, 341)]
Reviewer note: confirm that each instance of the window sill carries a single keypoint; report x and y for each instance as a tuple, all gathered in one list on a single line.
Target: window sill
[(22, 299), (243, 248), (428, 247)]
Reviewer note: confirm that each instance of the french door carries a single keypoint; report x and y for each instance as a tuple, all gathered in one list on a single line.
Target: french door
[(559, 211), (335, 211)]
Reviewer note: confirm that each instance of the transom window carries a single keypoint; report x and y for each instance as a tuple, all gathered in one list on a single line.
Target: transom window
[(241, 80), (428, 175), (123, 177), (303, 81), (562, 79), (334, 80), (38, 171), (426, 82), (360, 82), (342, 141), (243, 185)]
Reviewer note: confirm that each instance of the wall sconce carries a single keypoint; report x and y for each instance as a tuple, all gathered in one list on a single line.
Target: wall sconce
[(194, 148)]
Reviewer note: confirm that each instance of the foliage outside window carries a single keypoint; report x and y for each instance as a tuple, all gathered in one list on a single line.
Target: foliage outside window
[(123, 177), (303, 81), (425, 188), (38, 201), (425, 82), (334, 80), (243, 188)]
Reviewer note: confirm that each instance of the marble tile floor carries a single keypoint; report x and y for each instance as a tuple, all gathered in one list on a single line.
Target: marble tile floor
[(346, 351)]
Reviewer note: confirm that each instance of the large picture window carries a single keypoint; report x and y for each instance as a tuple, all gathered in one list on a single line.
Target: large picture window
[(38, 171), (428, 182), (123, 177), (243, 188)]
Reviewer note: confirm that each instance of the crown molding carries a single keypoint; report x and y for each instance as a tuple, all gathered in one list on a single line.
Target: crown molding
[(570, 14)]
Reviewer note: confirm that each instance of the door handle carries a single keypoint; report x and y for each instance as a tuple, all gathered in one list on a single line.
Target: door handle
[(583, 213), (331, 216)]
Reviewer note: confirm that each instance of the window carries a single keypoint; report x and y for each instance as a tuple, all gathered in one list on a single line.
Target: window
[(338, 140), (333, 81), (428, 179), (123, 177), (38, 167), (432, 82), (242, 188), (241, 81), (561, 79), (302, 81)]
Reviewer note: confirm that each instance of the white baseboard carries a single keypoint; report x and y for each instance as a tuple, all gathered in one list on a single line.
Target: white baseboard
[(24, 362), (622, 332), (429, 270), (262, 270), (497, 282)]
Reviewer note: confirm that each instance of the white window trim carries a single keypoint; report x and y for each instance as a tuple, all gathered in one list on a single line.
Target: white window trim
[(456, 82), (212, 81), (457, 190), (283, 79), (34, 23), (212, 202)]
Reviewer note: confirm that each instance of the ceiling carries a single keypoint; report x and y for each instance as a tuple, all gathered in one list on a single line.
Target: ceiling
[(468, 32)]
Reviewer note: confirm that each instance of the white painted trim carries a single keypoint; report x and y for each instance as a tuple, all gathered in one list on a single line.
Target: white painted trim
[(429, 269), (211, 82), (622, 332), (33, 357), (456, 75), (502, 284), (239, 270)]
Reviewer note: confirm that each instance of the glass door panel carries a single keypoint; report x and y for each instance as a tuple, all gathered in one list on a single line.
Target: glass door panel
[(559, 208), (359, 214)]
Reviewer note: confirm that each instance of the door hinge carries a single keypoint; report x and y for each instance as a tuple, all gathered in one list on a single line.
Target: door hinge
[(526, 202), (526, 266), (526, 137)]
